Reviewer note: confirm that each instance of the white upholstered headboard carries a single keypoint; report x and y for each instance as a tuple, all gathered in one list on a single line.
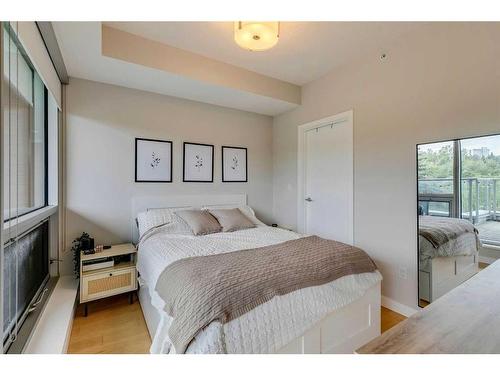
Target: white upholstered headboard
[(143, 203)]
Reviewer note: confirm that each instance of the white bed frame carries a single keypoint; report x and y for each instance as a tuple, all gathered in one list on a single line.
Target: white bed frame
[(342, 331), (445, 274)]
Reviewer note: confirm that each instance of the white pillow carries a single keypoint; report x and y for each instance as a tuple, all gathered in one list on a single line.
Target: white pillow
[(177, 226), (245, 210), (155, 217)]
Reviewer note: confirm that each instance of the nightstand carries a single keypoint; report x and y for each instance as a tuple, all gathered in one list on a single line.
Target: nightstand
[(119, 278)]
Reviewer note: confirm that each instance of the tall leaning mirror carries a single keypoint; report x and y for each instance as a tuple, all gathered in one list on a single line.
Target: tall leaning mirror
[(458, 218)]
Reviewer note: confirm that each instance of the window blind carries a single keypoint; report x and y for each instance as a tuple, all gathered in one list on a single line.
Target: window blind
[(25, 263)]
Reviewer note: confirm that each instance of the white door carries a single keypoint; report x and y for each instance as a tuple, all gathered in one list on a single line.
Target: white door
[(328, 181)]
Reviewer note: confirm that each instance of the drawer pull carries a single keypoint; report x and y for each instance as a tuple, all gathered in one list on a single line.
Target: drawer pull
[(110, 274)]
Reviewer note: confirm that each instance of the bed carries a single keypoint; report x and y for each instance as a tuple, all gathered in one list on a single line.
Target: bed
[(336, 317), (448, 255)]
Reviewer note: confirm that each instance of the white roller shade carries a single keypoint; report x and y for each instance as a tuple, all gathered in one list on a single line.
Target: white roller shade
[(32, 42)]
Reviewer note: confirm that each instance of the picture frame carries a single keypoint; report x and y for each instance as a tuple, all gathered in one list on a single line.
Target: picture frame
[(198, 162), (153, 160), (234, 164)]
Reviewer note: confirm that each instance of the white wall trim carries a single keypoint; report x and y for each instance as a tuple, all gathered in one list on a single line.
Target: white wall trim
[(23, 223), (53, 330), (301, 172), (61, 170), (398, 307)]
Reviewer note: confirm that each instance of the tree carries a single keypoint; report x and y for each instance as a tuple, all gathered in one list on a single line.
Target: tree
[(439, 164)]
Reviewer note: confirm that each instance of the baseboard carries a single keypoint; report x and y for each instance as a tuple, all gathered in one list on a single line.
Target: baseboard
[(397, 307), (70, 327)]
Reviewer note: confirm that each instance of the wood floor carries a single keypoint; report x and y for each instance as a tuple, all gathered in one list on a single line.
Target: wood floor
[(113, 326), (389, 319)]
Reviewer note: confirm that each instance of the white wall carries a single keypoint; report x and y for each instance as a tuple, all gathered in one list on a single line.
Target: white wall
[(434, 85), (102, 122)]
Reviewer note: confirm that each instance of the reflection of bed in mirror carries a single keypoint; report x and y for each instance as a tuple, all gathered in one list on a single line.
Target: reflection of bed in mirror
[(448, 255)]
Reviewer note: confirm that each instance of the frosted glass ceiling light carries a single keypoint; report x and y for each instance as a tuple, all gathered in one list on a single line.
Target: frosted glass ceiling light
[(256, 36)]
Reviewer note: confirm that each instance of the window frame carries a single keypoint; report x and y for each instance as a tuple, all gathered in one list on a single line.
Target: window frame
[(28, 318), (25, 56), (29, 220)]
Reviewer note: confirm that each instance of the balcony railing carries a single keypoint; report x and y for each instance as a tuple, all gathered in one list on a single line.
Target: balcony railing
[(480, 198)]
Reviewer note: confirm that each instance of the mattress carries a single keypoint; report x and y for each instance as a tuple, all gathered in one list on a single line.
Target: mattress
[(264, 329)]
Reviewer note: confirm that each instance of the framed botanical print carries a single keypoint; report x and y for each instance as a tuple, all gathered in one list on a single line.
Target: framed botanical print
[(153, 160), (198, 162), (234, 164)]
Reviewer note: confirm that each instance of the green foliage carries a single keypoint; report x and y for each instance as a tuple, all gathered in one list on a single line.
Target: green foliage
[(77, 248), (474, 166), (435, 164), (439, 164)]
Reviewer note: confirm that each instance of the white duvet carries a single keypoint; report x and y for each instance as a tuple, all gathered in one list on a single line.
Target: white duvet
[(264, 329)]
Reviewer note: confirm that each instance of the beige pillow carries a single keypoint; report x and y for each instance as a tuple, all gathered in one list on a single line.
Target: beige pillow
[(200, 221), (232, 219), (245, 210)]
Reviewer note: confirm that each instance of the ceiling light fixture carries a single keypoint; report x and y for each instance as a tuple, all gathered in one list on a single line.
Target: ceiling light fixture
[(256, 36)]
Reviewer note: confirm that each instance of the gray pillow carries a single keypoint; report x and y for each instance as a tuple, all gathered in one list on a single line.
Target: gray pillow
[(232, 219), (200, 222)]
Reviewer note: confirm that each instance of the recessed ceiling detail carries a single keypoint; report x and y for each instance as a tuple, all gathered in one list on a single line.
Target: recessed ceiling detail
[(149, 53), (201, 61), (201, 80), (305, 52)]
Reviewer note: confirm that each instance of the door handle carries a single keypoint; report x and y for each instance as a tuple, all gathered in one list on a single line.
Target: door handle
[(308, 199)]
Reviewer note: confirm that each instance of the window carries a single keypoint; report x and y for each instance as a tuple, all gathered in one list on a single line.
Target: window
[(435, 168), (459, 179), (480, 174), (28, 257), (30, 164), (435, 207), (25, 134), (436, 179)]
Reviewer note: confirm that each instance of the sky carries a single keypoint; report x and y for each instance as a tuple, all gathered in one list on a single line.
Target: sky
[(492, 142)]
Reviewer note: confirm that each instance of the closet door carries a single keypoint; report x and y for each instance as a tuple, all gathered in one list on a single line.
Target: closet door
[(328, 184)]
